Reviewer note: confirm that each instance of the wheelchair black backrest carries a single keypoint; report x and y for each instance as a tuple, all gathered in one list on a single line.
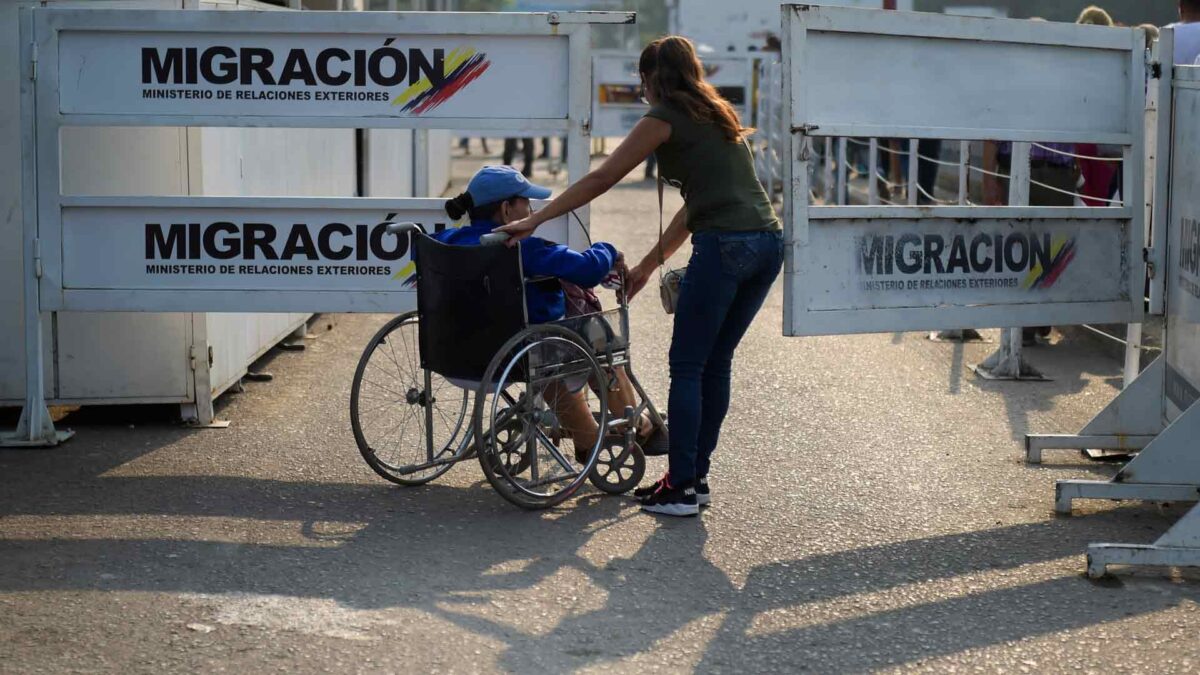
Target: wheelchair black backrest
[(471, 300)]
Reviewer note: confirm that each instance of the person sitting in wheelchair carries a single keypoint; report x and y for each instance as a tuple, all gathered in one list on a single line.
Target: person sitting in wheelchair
[(498, 195)]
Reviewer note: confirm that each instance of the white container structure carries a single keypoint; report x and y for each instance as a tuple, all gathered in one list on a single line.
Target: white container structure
[(178, 358)]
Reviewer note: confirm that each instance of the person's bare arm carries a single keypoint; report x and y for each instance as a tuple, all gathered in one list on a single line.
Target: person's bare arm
[(647, 134), (672, 238)]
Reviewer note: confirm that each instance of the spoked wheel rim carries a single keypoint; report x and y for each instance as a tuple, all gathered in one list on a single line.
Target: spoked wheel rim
[(618, 468), (529, 387), (510, 454), (392, 401)]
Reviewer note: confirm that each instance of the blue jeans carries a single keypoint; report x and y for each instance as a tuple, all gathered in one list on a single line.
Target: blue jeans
[(727, 281)]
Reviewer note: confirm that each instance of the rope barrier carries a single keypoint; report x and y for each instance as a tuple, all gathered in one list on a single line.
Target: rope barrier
[(1076, 194), (934, 199), (972, 167), (1071, 154), (937, 161), (1114, 338), (890, 151)]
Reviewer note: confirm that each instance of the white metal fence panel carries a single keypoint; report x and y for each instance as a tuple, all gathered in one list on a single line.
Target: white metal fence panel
[(335, 70), (926, 76), (961, 77), (1182, 338)]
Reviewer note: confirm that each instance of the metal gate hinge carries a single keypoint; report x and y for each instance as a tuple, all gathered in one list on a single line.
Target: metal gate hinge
[(805, 129), (33, 60)]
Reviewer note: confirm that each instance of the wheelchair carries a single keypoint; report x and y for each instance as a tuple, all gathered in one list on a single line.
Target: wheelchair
[(467, 376)]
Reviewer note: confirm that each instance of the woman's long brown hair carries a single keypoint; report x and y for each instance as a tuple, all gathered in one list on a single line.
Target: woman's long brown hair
[(674, 74)]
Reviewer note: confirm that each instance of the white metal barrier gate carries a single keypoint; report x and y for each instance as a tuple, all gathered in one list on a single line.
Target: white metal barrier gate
[(1159, 412), (894, 268), (304, 69), (891, 268)]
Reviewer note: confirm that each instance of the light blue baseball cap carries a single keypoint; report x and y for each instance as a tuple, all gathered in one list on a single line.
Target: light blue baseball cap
[(497, 183)]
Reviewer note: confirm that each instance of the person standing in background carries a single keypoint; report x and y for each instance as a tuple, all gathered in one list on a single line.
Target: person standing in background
[(1187, 33), (510, 149)]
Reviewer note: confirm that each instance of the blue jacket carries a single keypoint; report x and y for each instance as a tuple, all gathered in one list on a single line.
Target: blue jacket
[(541, 258)]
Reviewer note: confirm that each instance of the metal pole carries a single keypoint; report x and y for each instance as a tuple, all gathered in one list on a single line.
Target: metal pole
[(841, 172), (420, 177), (35, 428), (828, 171), (1018, 195), (912, 172), (964, 161), (873, 172), (1133, 353), (1006, 363), (772, 136), (580, 110)]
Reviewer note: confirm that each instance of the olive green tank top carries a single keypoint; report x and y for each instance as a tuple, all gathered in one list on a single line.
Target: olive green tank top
[(714, 175)]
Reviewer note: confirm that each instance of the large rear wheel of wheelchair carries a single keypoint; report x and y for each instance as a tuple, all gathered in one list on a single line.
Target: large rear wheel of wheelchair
[(392, 401), (538, 375)]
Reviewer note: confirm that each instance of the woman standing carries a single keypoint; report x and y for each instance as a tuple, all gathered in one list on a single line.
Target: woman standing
[(737, 251)]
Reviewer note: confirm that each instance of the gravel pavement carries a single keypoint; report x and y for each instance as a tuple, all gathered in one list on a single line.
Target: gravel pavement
[(870, 512)]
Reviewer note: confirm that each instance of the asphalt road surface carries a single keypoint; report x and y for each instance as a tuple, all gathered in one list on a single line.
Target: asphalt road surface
[(870, 512)]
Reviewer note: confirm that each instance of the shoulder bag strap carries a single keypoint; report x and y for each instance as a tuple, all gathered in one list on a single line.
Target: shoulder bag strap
[(661, 260)]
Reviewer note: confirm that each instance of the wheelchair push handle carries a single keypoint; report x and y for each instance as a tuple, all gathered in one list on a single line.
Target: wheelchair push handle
[(403, 228), (493, 239)]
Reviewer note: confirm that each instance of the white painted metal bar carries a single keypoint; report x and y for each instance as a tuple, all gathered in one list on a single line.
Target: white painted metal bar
[(1133, 353), (841, 172), (35, 428), (913, 185), (964, 161), (1158, 142), (1007, 362), (973, 214), (1067, 492), (828, 168), (579, 141), (351, 23), (972, 29), (873, 172), (972, 133), (500, 126), (420, 170), (1128, 422), (773, 138)]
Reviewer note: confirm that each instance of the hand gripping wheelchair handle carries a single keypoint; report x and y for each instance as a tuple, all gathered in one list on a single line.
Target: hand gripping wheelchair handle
[(402, 228), (493, 239)]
